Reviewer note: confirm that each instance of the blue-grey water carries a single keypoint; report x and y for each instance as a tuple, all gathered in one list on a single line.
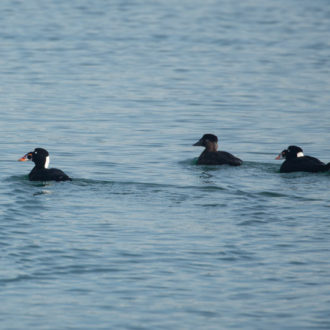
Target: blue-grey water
[(142, 238)]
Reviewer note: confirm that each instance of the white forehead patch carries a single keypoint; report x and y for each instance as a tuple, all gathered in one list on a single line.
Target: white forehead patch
[(300, 154), (47, 162)]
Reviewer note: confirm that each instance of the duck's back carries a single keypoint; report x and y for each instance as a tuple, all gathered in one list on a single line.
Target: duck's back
[(218, 158), (304, 164), (48, 174)]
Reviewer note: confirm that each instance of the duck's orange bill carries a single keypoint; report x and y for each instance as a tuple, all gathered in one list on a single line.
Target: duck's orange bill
[(24, 158), (279, 156)]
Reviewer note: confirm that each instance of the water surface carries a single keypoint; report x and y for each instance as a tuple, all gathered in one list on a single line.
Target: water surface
[(142, 238)]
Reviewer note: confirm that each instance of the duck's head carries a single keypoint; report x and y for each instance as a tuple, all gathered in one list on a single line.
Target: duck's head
[(291, 153), (209, 141), (39, 156)]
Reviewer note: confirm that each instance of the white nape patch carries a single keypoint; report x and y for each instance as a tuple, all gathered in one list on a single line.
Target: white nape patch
[(47, 162), (300, 154)]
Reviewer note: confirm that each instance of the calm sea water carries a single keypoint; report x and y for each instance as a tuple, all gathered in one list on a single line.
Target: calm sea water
[(142, 238)]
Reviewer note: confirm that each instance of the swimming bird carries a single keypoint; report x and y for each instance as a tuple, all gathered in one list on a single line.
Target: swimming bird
[(296, 161), (211, 155), (41, 172)]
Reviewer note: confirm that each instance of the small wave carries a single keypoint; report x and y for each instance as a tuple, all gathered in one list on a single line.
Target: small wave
[(42, 192), (18, 278), (274, 194), (294, 175), (189, 161), (90, 182), (251, 222), (15, 178), (264, 167), (24, 179)]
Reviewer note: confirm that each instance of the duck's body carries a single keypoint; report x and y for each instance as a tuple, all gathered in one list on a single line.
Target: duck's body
[(296, 161), (41, 172), (48, 174), (218, 158), (211, 155)]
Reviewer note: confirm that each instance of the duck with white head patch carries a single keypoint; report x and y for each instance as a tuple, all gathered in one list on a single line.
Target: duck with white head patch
[(296, 161), (211, 155), (41, 172)]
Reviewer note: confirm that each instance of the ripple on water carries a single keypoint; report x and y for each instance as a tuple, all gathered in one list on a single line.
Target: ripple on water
[(118, 91)]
